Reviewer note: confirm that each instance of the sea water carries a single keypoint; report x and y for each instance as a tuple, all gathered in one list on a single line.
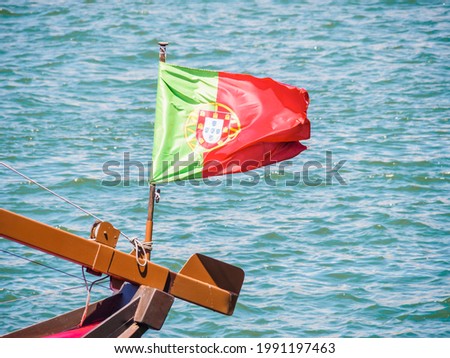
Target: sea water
[(349, 239)]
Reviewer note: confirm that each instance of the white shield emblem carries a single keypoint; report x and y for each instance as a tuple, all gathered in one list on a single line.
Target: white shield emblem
[(212, 131)]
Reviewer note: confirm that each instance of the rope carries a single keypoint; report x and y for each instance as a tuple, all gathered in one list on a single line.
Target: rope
[(141, 247), (88, 298), (50, 191), (39, 263), (46, 266), (133, 242)]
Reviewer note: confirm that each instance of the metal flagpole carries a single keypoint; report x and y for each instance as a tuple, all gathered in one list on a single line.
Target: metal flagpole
[(153, 192)]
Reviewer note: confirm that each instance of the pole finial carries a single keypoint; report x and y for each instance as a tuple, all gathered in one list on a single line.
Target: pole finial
[(162, 51)]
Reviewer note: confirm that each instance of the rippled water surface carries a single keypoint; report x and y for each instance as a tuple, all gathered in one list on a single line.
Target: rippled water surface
[(361, 253)]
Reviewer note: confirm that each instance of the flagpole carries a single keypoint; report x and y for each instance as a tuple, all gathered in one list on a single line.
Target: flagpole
[(151, 199)]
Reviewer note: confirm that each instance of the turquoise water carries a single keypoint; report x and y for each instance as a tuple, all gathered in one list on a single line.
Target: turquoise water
[(362, 254)]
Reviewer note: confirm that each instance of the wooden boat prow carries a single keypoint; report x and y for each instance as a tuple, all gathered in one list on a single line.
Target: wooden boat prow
[(147, 289)]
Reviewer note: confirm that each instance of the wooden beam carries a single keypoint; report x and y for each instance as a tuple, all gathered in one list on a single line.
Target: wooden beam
[(107, 260)]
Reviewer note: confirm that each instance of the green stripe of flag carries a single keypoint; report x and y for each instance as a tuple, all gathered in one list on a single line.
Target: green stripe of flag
[(180, 90)]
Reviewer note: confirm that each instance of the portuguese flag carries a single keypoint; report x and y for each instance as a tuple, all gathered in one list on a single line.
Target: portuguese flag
[(213, 123)]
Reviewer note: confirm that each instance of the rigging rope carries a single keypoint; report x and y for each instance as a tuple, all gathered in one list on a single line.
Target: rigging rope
[(49, 190), (140, 248), (39, 263), (46, 266), (88, 298), (132, 241)]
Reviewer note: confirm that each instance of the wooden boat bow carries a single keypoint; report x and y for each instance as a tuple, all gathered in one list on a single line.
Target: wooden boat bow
[(204, 281)]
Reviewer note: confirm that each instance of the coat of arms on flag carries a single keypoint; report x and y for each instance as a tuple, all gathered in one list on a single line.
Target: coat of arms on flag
[(213, 124)]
